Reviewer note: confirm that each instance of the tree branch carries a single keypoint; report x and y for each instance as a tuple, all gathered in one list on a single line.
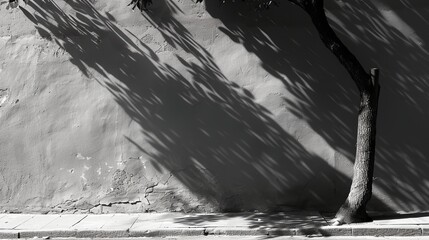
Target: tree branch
[(316, 11)]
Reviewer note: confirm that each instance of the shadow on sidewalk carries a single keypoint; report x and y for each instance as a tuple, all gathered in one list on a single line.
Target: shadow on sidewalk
[(281, 220), (393, 216)]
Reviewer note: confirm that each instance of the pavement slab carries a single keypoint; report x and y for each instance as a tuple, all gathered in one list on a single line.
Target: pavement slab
[(93, 222), (159, 216), (64, 221), (37, 222), (10, 221), (165, 232), (400, 221), (156, 221), (121, 222)]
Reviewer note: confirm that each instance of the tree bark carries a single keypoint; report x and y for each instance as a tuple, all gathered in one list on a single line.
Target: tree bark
[(354, 208)]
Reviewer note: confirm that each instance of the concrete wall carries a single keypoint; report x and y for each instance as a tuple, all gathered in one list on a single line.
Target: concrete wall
[(192, 107)]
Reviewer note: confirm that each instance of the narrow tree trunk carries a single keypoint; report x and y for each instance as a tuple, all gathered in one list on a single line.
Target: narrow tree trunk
[(354, 208)]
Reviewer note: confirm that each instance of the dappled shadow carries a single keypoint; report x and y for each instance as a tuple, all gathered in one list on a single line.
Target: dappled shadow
[(398, 216), (397, 39), (213, 135), (262, 221), (202, 128), (385, 34)]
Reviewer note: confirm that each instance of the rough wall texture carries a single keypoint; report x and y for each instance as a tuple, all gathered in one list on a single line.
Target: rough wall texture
[(192, 107)]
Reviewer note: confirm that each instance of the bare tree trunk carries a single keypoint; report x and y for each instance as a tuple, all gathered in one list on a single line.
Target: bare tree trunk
[(354, 208)]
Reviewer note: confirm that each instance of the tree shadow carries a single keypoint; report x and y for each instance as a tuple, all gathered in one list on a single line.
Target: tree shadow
[(385, 34), (399, 41), (200, 128), (261, 221), (400, 216)]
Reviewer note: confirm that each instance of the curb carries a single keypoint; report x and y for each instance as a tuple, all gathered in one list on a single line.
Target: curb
[(348, 230), (7, 234)]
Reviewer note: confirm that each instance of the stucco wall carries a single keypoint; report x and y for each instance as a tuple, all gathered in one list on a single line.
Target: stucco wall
[(193, 107)]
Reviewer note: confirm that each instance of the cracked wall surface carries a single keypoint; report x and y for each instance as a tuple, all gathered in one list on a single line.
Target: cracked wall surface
[(199, 108)]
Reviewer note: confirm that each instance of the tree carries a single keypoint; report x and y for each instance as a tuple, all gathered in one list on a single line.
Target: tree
[(354, 208)]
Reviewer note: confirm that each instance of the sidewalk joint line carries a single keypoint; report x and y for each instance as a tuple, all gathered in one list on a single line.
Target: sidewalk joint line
[(23, 222), (128, 230), (78, 221), (50, 222)]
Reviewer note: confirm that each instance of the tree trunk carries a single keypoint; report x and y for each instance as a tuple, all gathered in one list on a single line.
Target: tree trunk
[(354, 208)]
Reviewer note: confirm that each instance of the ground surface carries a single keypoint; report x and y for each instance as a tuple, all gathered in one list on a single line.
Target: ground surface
[(207, 226)]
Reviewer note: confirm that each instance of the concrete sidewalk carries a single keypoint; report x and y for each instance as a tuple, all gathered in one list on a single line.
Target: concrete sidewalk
[(180, 224)]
